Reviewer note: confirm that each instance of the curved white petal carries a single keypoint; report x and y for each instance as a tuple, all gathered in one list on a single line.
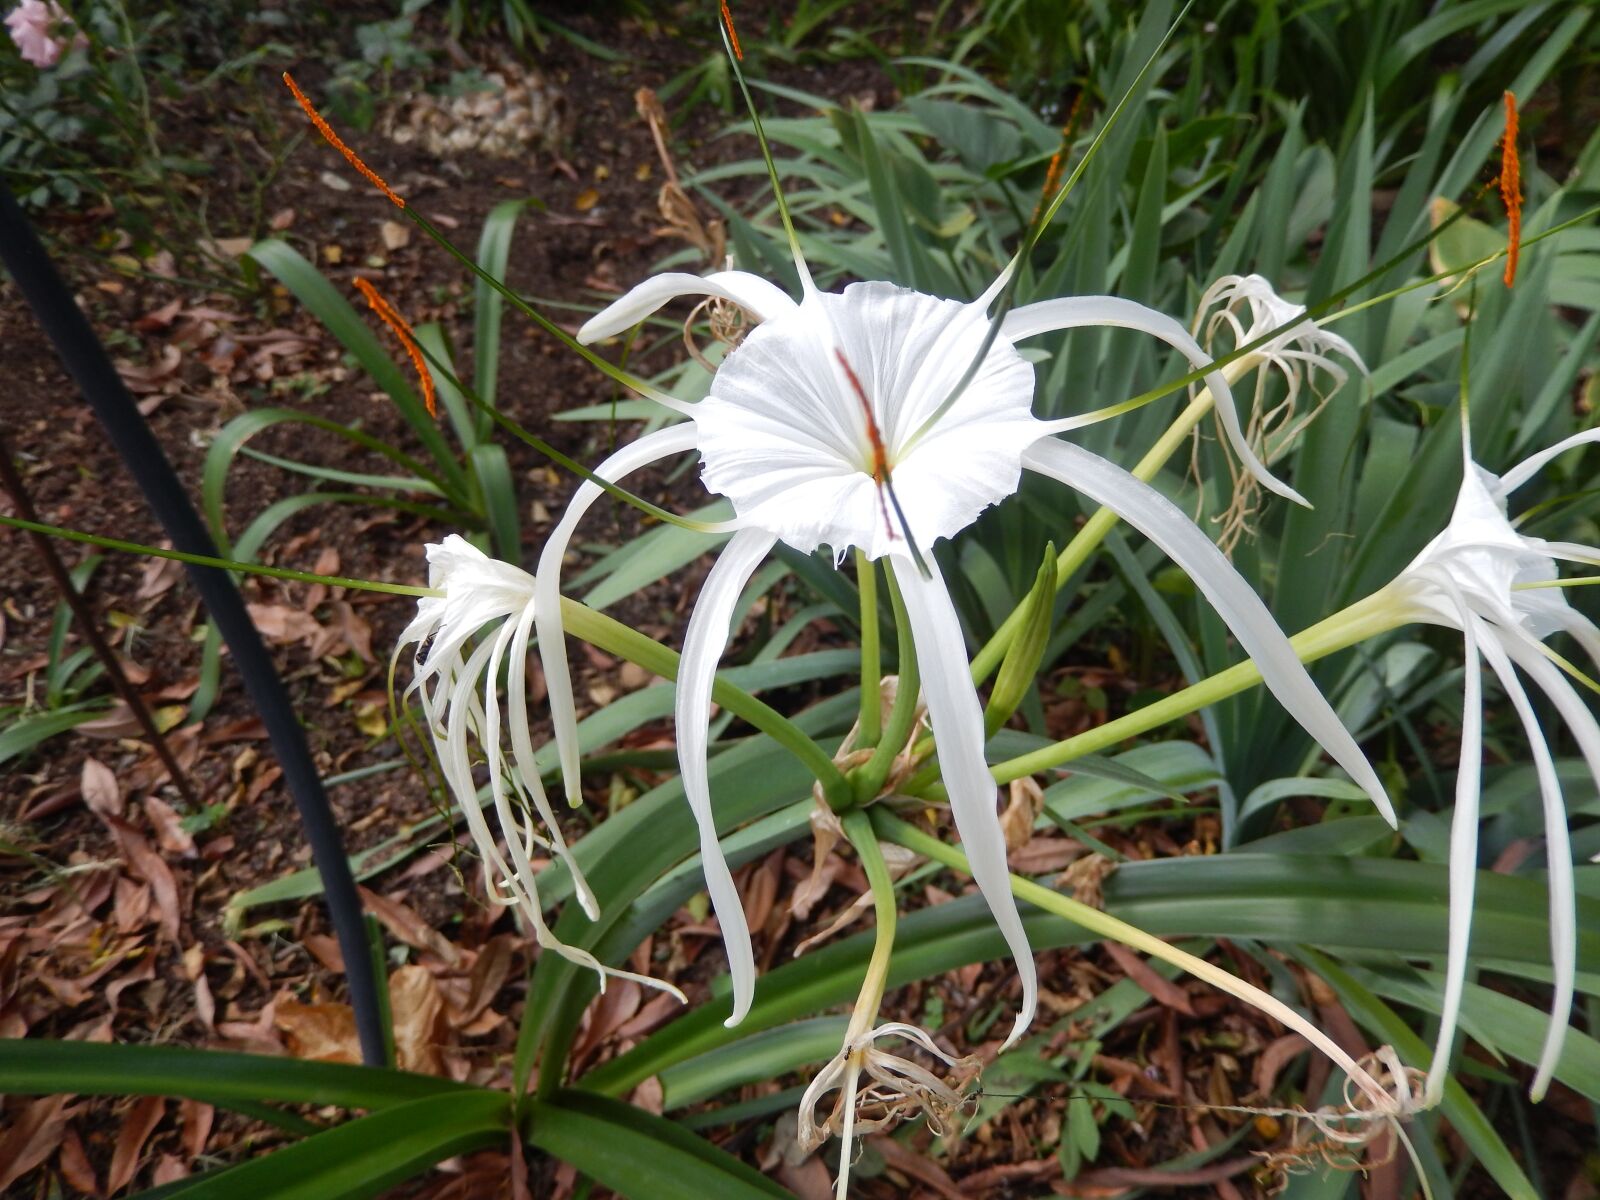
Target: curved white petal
[(1148, 511), (703, 644), (1075, 311), (1558, 847), (547, 589), (761, 299), (1463, 850), (957, 720), (1528, 467)]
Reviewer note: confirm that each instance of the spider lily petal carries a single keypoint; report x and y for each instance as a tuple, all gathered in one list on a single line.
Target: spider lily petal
[(750, 292), (479, 594), (702, 647), (1148, 511), (547, 591), (957, 720), (1306, 343), (1076, 311)]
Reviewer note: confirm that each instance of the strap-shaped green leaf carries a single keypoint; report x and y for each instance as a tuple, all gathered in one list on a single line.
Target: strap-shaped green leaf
[(37, 1067), (639, 1155), (363, 1157)]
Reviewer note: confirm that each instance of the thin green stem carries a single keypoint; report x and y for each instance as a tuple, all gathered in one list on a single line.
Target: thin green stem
[(869, 780), (870, 726), (206, 560), (1368, 617), (1104, 925)]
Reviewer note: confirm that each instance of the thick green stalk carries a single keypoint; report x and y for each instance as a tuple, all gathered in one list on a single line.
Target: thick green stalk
[(871, 723), (614, 637), (869, 780), (1104, 925), (863, 836), (1377, 613)]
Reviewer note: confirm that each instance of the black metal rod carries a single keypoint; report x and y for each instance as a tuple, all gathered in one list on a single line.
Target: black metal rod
[(85, 359)]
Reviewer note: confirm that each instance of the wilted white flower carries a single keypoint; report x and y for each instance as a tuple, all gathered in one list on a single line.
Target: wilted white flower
[(41, 32), (841, 420), (896, 1087), (1474, 577), (456, 681), (1299, 356)]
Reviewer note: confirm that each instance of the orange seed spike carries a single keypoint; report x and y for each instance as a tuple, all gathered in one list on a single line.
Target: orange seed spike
[(733, 34), (1511, 188), (337, 142), (386, 312)]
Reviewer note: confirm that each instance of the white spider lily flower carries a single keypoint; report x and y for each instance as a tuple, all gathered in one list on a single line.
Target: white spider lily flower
[(1472, 577), (456, 681), (829, 411)]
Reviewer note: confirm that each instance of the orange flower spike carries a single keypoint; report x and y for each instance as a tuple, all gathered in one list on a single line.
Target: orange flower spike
[(1511, 188), (1052, 175), (337, 142), (386, 312), (733, 34)]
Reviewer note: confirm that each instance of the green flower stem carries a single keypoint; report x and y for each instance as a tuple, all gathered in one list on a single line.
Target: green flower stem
[(869, 780), (1104, 925), (1368, 617), (206, 560), (871, 725), (614, 637), (1088, 539), (858, 827)]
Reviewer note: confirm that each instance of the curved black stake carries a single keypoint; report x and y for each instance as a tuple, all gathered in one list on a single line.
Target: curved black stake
[(90, 367)]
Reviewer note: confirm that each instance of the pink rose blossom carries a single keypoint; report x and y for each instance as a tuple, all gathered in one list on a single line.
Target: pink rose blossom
[(37, 27)]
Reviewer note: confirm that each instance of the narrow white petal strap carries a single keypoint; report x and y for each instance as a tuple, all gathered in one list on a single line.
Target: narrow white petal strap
[(1072, 312), (703, 644), (547, 588), (957, 720), (1558, 848), (756, 295), (1528, 467), (1463, 844), (1148, 511)]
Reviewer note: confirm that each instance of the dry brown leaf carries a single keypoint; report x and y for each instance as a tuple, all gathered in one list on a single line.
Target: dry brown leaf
[(197, 1119), (146, 864), (1023, 806), (1161, 989), (137, 1126), (395, 237), (408, 927), (417, 1006), (282, 624), (320, 1032), (100, 789), (32, 1138), (75, 1166), (490, 970), (171, 836)]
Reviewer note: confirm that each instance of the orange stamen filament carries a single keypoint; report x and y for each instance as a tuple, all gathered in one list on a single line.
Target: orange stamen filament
[(337, 142), (880, 456), (733, 34), (396, 322), (1511, 188)]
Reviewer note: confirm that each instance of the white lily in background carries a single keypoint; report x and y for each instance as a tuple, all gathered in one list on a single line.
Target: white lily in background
[(1474, 577), (457, 682), (827, 404), (1299, 355)]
